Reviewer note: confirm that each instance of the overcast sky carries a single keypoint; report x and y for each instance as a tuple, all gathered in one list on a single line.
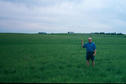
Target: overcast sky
[(62, 16)]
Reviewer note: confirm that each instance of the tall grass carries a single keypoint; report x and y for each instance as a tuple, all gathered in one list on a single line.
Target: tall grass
[(60, 58)]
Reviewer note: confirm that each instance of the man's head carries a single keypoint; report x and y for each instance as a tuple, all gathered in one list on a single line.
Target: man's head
[(89, 39)]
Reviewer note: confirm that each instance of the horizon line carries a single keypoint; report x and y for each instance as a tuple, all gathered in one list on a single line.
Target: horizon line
[(61, 32)]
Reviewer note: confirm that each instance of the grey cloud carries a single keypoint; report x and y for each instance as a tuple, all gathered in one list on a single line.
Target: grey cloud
[(61, 15)]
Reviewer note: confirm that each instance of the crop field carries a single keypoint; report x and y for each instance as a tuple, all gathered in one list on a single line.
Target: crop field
[(59, 58)]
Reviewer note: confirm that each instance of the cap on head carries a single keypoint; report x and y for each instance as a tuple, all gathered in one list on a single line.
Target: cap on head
[(89, 38)]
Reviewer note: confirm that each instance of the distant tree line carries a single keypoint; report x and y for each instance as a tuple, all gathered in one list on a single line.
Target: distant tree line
[(42, 33), (100, 33), (103, 33), (70, 32)]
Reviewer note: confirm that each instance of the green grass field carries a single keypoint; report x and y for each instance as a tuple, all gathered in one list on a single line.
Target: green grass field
[(59, 58)]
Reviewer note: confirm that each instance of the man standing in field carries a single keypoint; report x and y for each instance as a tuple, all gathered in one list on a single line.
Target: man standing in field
[(90, 51)]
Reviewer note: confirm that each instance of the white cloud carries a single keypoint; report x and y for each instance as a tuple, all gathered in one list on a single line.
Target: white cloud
[(62, 15)]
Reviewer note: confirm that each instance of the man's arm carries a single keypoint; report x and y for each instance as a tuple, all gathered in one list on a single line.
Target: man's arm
[(94, 52)]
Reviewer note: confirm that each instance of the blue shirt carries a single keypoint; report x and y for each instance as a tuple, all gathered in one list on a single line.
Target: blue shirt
[(90, 47)]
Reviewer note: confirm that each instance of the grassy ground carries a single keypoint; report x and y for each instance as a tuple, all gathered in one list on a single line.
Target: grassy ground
[(60, 58)]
